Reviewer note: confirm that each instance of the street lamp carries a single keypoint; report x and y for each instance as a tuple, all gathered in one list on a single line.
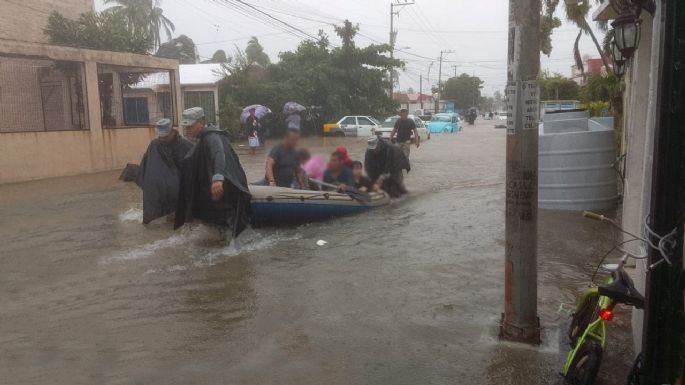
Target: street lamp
[(627, 33), (618, 59)]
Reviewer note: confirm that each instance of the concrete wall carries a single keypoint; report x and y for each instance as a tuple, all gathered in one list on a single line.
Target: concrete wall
[(640, 114), (24, 20), (34, 155)]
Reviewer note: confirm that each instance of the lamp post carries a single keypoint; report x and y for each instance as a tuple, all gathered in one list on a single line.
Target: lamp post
[(627, 33), (618, 59)]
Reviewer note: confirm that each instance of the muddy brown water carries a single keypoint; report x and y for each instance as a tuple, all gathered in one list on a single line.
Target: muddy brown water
[(407, 294)]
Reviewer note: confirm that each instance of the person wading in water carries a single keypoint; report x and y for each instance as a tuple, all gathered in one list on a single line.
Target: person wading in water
[(213, 185)]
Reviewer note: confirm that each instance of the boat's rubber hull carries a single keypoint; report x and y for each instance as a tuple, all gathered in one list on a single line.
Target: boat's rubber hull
[(275, 205)]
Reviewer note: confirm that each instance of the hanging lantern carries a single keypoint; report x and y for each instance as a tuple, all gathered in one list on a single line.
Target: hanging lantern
[(626, 34)]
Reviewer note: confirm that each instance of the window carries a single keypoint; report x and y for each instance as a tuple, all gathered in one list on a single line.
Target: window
[(41, 95), (350, 120), (204, 99), (136, 111), (135, 97), (365, 122)]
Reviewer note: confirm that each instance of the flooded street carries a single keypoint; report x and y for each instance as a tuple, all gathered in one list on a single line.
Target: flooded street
[(410, 293)]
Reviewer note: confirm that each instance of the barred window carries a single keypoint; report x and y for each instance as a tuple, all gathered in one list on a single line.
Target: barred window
[(41, 95), (135, 97)]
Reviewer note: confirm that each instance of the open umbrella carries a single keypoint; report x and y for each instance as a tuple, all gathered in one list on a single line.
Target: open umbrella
[(260, 112), (292, 107)]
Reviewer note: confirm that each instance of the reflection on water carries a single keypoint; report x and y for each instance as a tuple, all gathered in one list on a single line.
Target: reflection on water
[(407, 294)]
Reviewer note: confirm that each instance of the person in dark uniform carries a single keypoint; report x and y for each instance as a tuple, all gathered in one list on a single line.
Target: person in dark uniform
[(214, 186), (159, 174)]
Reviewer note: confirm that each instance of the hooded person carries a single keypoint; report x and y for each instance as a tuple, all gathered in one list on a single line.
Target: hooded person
[(384, 163), (213, 185), (159, 174), (347, 161)]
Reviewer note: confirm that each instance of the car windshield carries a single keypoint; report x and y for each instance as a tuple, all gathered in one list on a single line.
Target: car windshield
[(374, 120), (441, 118), (390, 122)]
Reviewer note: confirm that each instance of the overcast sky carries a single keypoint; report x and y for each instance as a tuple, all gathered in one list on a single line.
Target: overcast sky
[(474, 29)]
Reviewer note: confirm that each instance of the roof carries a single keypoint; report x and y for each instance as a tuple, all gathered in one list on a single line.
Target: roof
[(200, 74), (410, 98)]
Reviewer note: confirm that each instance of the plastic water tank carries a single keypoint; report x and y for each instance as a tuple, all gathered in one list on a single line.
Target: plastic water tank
[(576, 162)]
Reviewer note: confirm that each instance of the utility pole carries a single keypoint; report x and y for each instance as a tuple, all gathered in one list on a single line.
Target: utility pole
[(421, 90), (455, 70), (393, 35), (437, 100), (520, 321)]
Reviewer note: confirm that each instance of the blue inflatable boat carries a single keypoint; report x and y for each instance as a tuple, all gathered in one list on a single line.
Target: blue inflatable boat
[(278, 205)]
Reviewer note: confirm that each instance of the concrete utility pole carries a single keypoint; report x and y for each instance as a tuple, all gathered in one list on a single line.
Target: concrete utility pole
[(520, 321), (393, 36), (421, 90), (437, 100)]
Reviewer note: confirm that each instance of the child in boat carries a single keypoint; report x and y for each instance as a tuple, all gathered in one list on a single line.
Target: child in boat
[(361, 181), (337, 174)]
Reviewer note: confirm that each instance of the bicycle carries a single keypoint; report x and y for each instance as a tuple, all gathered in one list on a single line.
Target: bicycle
[(587, 332)]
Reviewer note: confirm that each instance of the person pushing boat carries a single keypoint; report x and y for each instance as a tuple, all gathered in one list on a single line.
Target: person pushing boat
[(159, 174), (213, 184), (384, 163)]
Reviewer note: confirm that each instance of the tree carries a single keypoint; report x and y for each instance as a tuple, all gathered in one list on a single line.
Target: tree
[(557, 87), (548, 22), (343, 80), (181, 48), (143, 16), (255, 53), (464, 90), (219, 56), (104, 31), (602, 89), (577, 12)]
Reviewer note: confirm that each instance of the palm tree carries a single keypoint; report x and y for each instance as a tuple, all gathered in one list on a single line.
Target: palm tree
[(577, 13), (144, 16)]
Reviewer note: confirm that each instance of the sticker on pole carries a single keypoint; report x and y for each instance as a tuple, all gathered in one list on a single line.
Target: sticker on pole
[(523, 106)]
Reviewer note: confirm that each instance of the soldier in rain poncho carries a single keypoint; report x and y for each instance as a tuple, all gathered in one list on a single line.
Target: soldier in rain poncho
[(159, 175), (214, 186)]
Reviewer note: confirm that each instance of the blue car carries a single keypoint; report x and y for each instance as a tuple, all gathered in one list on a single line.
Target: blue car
[(444, 123)]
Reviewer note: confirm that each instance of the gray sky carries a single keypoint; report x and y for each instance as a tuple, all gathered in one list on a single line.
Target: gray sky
[(474, 29)]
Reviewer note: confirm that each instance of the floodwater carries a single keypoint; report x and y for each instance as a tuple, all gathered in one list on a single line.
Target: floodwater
[(407, 294)]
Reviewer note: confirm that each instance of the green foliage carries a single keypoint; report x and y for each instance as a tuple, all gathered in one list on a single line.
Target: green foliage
[(219, 56), (229, 116), (181, 48), (597, 108), (548, 22), (464, 90), (97, 31), (345, 80), (254, 52), (557, 87), (602, 89), (143, 17)]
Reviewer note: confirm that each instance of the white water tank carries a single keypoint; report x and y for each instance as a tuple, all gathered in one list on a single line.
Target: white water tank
[(576, 162)]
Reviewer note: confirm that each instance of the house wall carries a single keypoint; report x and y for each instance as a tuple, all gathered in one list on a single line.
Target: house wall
[(33, 155), (34, 17), (640, 117)]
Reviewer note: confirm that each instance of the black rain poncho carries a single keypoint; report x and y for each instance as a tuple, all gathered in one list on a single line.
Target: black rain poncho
[(159, 176), (199, 168), (387, 159)]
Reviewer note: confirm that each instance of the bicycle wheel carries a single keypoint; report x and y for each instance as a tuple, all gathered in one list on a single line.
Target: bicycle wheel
[(585, 365), (583, 317)]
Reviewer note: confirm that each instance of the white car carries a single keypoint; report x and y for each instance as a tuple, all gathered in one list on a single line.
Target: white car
[(353, 126), (386, 128)]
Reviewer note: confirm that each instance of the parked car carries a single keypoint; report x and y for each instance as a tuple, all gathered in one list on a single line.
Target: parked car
[(386, 128), (444, 123), (352, 126)]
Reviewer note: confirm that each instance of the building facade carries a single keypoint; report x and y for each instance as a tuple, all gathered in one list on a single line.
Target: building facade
[(68, 111)]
